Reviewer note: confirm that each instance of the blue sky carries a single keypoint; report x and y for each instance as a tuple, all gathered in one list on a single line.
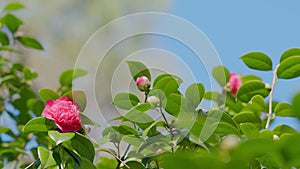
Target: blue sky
[(238, 27)]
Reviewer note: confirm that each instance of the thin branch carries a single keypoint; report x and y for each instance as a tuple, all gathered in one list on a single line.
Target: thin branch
[(270, 115)]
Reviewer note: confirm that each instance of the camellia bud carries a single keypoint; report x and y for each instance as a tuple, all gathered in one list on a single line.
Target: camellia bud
[(154, 101), (142, 83)]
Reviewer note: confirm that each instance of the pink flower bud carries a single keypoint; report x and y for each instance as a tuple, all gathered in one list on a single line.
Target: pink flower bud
[(234, 83), (142, 83), (65, 113)]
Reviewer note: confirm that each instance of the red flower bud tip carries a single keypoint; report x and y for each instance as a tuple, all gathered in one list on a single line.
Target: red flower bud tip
[(65, 113), (234, 83), (142, 83)]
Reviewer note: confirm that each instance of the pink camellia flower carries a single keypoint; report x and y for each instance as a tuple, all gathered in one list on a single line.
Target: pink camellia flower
[(234, 83), (65, 113), (142, 83)]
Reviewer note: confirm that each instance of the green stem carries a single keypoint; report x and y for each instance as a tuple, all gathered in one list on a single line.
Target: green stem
[(270, 115), (169, 127)]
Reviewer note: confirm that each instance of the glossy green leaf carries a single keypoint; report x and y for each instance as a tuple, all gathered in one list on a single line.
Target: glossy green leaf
[(225, 117), (127, 130), (13, 6), (194, 93), (83, 146), (138, 69), (12, 22), (221, 74), (250, 89), (247, 78), (250, 130), (48, 94), (258, 61), (158, 78), (284, 109), (79, 97), (126, 100), (137, 113), (39, 124), (283, 129), (4, 40), (69, 75), (60, 137), (289, 53), (46, 157), (289, 68), (247, 117), (30, 42), (266, 134), (167, 84)]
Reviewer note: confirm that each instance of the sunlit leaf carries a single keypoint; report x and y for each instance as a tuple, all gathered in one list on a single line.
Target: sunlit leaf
[(258, 61), (126, 100)]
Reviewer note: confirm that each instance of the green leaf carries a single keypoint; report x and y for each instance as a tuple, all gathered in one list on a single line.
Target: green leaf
[(4, 129), (48, 94), (158, 78), (258, 61), (225, 128), (126, 100), (250, 130), (250, 89), (289, 68), (4, 40), (194, 93), (221, 74), (137, 113), (12, 22), (284, 109), (155, 124), (213, 95), (83, 146), (86, 164), (36, 106), (174, 104), (60, 137), (167, 84), (13, 6), (282, 129), (138, 69), (133, 140), (134, 164), (125, 130), (296, 105), (106, 163), (39, 124), (247, 117), (85, 120), (258, 103), (46, 157), (30, 42), (69, 75), (247, 78), (289, 53), (77, 96), (225, 117)]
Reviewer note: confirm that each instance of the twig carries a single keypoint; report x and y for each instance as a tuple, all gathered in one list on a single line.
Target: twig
[(270, 115)]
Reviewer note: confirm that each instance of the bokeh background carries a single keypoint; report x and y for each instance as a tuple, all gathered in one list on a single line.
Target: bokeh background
[(233, 27)]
